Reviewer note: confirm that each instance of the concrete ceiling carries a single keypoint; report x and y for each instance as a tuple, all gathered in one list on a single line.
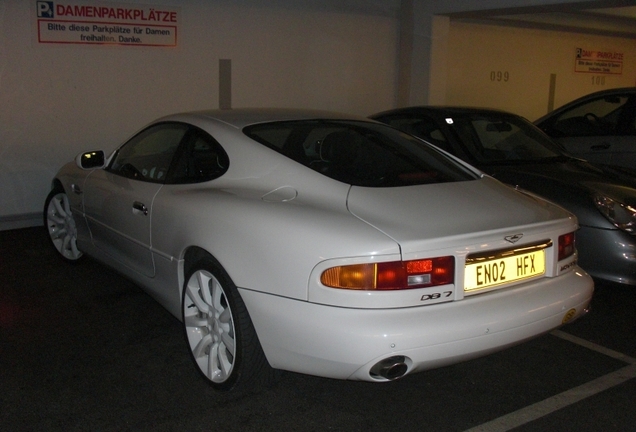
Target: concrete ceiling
[(613, 18), (617, 20)]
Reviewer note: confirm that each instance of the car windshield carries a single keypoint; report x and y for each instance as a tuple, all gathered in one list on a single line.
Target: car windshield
[(359, 153), (496, 138)]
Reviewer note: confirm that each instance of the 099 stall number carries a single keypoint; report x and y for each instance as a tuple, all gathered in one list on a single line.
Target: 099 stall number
[(499, 76)]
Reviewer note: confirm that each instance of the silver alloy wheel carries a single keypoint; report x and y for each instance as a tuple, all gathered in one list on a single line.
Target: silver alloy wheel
[(209, 326), (61, 226)]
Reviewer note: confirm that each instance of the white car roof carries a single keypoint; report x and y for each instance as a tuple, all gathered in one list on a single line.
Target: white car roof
[(241, 117)]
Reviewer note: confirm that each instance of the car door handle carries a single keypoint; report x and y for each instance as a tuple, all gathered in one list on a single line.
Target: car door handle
[(600, 147), (140, 208), (76, 189)]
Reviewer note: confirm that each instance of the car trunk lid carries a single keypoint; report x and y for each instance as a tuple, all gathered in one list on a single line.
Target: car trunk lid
[(450, 214)]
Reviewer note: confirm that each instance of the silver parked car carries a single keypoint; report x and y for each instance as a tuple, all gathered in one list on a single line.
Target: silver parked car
[(319, 243), (514, 151), (599, 127)]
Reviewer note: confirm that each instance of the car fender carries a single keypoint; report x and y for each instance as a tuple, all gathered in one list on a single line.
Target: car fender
[(249, 241)]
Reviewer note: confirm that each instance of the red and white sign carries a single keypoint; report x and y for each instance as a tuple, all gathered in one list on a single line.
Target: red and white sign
[(598, 62), (106, 24)]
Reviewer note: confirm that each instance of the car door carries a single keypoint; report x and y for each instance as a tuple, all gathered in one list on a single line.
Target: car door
[(624, 151), (601, 130), (200, 159), (118, 201)]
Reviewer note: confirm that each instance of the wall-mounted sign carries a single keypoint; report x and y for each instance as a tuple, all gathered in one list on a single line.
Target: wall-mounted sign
[(106, 24), (598, 62)]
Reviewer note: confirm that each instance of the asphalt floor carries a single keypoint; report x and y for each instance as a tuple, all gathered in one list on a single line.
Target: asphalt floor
[(83, 349)]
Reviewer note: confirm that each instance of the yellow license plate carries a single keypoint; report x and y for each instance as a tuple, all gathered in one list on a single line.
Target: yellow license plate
[(481, 274)]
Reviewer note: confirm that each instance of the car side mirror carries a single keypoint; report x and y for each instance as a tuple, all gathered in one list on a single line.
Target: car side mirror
[(90, 160)]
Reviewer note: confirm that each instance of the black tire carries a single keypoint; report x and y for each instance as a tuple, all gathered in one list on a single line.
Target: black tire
[(220, 334), (60, 225)]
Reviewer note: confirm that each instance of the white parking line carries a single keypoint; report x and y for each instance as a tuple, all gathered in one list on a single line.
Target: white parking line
[(594, 347), (568, 397)]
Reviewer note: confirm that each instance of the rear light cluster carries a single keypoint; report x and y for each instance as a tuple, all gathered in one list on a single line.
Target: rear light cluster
[(566, 245), (394, 275)]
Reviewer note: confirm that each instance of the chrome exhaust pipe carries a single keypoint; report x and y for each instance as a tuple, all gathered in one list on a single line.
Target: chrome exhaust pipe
[(390, 368)]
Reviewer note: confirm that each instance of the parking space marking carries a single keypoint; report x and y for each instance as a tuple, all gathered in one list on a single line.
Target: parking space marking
[(568, 397), (594, 347)]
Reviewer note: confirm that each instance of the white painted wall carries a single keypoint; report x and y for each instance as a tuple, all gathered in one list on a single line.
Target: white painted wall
[(58, 100), (529, 57), (342, 55)]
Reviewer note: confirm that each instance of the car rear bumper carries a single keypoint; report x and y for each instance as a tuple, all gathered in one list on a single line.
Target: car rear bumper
[(347, 343), (608, 254)]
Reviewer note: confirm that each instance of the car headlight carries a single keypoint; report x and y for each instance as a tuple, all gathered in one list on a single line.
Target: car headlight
[(621, 215)]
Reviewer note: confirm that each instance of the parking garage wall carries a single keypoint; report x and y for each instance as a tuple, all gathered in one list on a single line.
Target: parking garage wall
[(58, 99), (527, 70)]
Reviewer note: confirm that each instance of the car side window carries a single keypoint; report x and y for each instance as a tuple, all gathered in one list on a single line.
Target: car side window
[(599, 117), (148, 155), (200, 158)]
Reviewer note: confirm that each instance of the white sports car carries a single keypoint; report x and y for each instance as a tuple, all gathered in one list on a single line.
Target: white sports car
[(319, 243)]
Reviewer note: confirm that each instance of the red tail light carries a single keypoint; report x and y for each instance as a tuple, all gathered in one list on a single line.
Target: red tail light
[(394, 275), (566, 245)]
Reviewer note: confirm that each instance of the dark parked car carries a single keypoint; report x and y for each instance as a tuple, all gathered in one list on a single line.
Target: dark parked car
[(516, 152), (599, 127)]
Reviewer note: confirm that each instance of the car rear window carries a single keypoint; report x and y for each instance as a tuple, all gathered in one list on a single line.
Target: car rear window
[(359, 153)]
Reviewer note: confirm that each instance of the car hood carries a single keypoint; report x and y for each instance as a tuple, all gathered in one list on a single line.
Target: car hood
[(622, 188), (435, 214), (569, 182)]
